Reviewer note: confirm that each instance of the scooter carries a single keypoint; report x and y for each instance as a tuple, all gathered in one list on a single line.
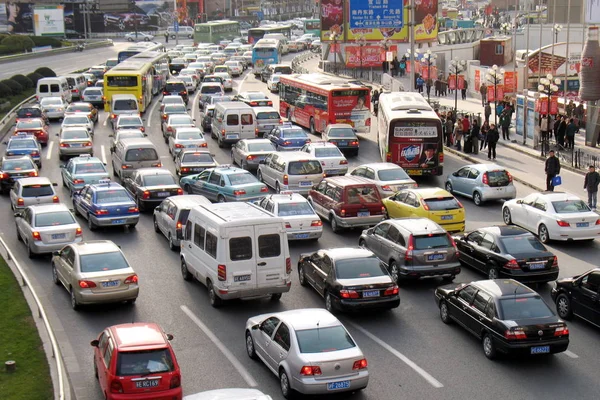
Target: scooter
[(80, 47)]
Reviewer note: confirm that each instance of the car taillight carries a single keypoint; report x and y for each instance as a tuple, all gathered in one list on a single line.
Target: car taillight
[(515, 334), (280, 121), (35, 153), (178, 146), (20, 202), (157, 165), (424, 204), (146, 194), (264, 189), (360, 364), (185, 169), (36, 235), (113, 116), (253, 103), (142, 129), (133, 209), (459, 204), (285, 179), (239, 192), (126, 166), (55, 199), (64, 145), (510, 178), (349, 294), (101, 212), (78, 232), (288, 265), (115, 386), (288, 225), (222, 272), (316, 222), (169, 129), (204, 145), (561, 331), (388, 157), (131, 279), (453, 243), (286, 143), (179, 191), (269, 103), (78, 181), (598, 222), (354, 143), (223, 132), (86, 284), (391, 291), (485, 178), (408, 256), (164, 116), (512, 264), (33, 173), (343, 162), (175, 381), (562, 223), (309, 370), (440, 158), (555, 262), (387, 188)]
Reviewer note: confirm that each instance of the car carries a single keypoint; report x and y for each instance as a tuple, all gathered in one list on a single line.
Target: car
[(507, 252), (91, 79), (482, 182), (190, 82), (288, 137), (99, 84), (331, 158), (225, 183), (176, 121), (434, 203), (309, 343), (124, 134), (181, 31), (226, 78), (235, 68), (150, 186), (308, 38), (170, 109), (177, 64), (170, 99), (578, 295), (94, 96), (104, 204), (78, 120), (301, 220), (193, 161), (32, 191), (219, 59), (140, 364), (413, 248), (185, 138), (505, 315), (74, 141), (172, 214), (388, 177), (54, 107), (81, 171), (229, 394), (191, 72), (122, 21), (300, 45), (208, 90), (248, 57), (176, 88), (24, 144), (248, 153), (129, 121), (343, 136), (293, 46), (230, 51), (31, 111), (267, 118), (207, 60), (553, 216), (35, 127), (254, 98), (15, 168), (200, 67), (242, 60), (98, 71), (83, 108), (273, 83)]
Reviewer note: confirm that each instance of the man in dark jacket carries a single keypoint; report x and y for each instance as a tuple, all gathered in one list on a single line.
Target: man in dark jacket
[(492, 138), (505, 124), (483, 92), (571, 131), (487, 112), (590, 184), (552, 169), (562, 131)]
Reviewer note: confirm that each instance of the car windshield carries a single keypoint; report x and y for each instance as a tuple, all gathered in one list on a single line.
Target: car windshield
[(522, 244), (78, 134), (181, 121), (241, 179), (362, 195), (515, 308), (570, 206), (75, 120), (144, 362), (28, 112), (442, 203), (294, 134), (94, 92), (29, 124), (354, 268), (260, 147), (341, 132), (175, 109), (16, 165), (293, 209), (100, 262), (392, 174), (22, 144), (267, 115), (322, 340), (159, 179), (37, 190), (189, 136), (328, 152), (308, 167), (89, 168), (197, 158), (54, 218)]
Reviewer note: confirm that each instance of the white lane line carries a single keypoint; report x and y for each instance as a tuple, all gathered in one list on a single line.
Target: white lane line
[(103, 152), (234, 361), (194, 105), (49, 150), (150, 114), (106, 120), (570, 354), (432, 381)]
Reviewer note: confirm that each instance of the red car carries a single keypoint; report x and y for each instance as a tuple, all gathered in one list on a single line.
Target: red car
[(33, 126), (136, 361)]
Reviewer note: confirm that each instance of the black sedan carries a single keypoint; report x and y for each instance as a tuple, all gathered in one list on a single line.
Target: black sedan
[(507, 316), (507, 252), (348, 279), (150, 186), (176, 65), (579, 295)]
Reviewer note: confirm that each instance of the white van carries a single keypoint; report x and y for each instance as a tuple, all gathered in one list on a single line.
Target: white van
[(283, 41), (77, 83), (233, 121), (53, 87), (122, 104), (238, 250), (134, 153)]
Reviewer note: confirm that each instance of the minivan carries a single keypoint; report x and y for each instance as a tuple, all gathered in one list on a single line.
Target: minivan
[(267, 118), (296, 171), (238, 250), (77, 84), (134, 153), (233, 121), (172, 214), (183, 31), (122, 104), (53, 87)]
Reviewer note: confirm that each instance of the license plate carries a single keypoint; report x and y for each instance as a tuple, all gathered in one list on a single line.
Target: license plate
[(447, 217), (435, 257), (301, 235), (304, 183), (191, 146), (537, 266), (232, 136), (269, 126), (338, 385), (118, 221), (342, 143), (241, 278), (76, 145), (59, 235), (93, 97), (146, 384), (364, 213), (163, 194), (540, 350), (414, 172), (583, 224), (371, 293), (110, 284), (197, 169)]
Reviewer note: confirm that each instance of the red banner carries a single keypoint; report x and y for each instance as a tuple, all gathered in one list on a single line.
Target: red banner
[(498, 91), (372, 56), (510, 81), (452, 82), (425, 71), (554, 105), (461, 82), (477, 79), (490, 93)]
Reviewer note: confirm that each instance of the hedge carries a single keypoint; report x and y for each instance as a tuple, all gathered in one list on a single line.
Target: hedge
[(34, 77), (46, 41), (18, 43), (23, 81), (14, 86), (45, 72), (4, 91)]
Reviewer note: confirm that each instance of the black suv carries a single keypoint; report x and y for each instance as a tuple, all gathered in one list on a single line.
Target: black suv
[(176, 88)]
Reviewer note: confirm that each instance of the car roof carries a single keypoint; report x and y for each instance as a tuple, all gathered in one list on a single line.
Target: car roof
[(504, 287), (153, 171), (40, 180), (48, 208), (308, 318), (428, 193), (284, 197), (139, 334), (189, 200), (330, 126), (380, 166), (417, 226), (342, 253), (96, 247), (504, 230), (349, 181), (486, 167), (263, 109), (558, 196), (85, 159)]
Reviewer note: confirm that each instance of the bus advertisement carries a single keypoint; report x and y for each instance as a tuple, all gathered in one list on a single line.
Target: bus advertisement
[(215, 31), (255, 34), (317, 100), (410, 134), (264, 52), (130, 77)]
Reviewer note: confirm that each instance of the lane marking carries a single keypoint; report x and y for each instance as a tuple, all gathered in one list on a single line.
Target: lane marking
[(106, 120), (232, 359), (149, 121), (103, 152), (194, 105), (49, 150), (432, 381), (570, 354)]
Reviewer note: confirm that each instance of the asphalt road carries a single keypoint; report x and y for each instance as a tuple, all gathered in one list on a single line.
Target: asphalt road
[(411, 353)]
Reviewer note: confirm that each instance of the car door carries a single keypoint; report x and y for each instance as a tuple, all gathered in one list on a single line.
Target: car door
[(85, 201), (476, 313), (24, 224), (323, 274), (484, 253), (65, 265), (394, 204), (393, 247), (211, 188), (536, 214), (99, 352), (461, 303), (317, 198), (263, 339), (311, 265), (280, 346), (14, 193), (167, 213), (587, 303), (520, 211), (471, 182), (374, 240), (248, 126), (458, 178), (360, 171), (198, 186), (467, 246), (270, 256)]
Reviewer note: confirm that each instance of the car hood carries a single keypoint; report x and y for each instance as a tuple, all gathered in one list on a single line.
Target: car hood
[(229, 394)]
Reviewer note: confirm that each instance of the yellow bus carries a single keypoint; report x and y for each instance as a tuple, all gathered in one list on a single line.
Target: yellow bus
[(130, 77), (160, 63)]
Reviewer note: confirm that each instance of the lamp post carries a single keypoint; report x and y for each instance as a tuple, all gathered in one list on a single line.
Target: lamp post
[(333, 36), (429, 58), (361, 41), (555, 30), (456, 67), (505, 29), (495, 76), (548, 85), (385, 45)]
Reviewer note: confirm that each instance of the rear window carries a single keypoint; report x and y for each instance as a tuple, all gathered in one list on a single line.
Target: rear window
[(241, 179), (183, 216), (75, 135), (282, 70), (43, 89), (54, 219), (310, 167), (22, 144), (328, 152), (210, 89), (147, 154), (112, 196), (260, 147), (124, 105), (37, 190), (197, 157), (362, 195), (93, 93), (524, 307), (570, 206), (175, 87), (54, 88), (240, 248), (75, 120), (190, 136), (292, 209), (121, 81), (498, 178), (269, 246), (342, 132), (431, 241), (359, 268), (322, 340), (522, 244), (29, 124), (144, 362), (102, 262), (29, 112), (73, 108), (89, 168), (442, 203), (175, 109), (392, 174), (267, 115), (294, 133), (17, 165), (161, 179)]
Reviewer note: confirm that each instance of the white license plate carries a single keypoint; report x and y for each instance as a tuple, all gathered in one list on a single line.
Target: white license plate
[(537, 266), (191, 146), (338, 385), (163, 194), (241, 278), (118, 221), (364, 214), (583, 224), (110, 284), (304, 183), (76, 145), (540, 350), (371, 293), (59, 235), (447, 217), (146, 384)]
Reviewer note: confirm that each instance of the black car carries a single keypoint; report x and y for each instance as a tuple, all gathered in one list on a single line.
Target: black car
[(579, 295), (507, 316), (150, 186), (14, 168), (176, 88), (348, 279), (207, 119), (507, 252), (31, 111), (176, 65)]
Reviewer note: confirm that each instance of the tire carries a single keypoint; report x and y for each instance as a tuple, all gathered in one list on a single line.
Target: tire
[(215, 300), (221, 199), (284, 384), (74, 303), (506, 216), (493, 273), (477, 199), (563, 307), (334, 225), (329, 303), (187, 188), (543, 234), (489, 348), (30, 253), (302, 276), (156, 228), (55, 275), (172, 245), (275, 296), (259, 176), (444, 313), (312, 126), (76, 211), (185, 273), (394, 272), (91, 224), (277, 188), (448, 187), (250, 349)]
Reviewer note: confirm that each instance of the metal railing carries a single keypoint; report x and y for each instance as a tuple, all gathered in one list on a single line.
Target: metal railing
[(4, 122), (301, 59), (63, 382)]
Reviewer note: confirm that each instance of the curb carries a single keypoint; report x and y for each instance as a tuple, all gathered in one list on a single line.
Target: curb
[(69, 49)]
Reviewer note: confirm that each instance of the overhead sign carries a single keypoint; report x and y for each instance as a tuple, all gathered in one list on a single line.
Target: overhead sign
[(49, 20), (371, 14)]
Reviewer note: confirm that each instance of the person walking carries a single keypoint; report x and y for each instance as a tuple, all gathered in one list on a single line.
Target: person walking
[(590, 184), (552, 168), (483, 134), (438, 87), (569, 109), (483, 92), (571, 131), (544, 126), (492, 138), (457, 135), (428, 86), (449, 128), (420, 83), (505, 124), (402, 66), (562, 130), (475, 136), (487, 111), (555, 127), (463, 91), (166, 37), (466, 126)]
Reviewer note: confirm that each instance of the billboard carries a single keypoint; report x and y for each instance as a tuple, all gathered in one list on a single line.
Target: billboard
[(49, 21), (592, 12), (332, 18), (16, 17), (372, 56)]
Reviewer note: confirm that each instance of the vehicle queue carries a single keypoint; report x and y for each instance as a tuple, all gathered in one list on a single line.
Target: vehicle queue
[(409, 232)]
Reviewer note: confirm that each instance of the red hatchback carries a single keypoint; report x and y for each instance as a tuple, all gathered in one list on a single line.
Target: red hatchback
[(136, 361)]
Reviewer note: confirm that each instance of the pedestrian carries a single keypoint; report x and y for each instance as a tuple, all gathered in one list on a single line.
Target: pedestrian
[(556, 126), (562, 130), (505, 124), (483, 134), (487, 111), (466, 126), (552, 168), (569, 109), (449, 127), (438, 87), (457, 135), (475, 136), (166, 37), (402, 66), (444, 87), (571, 131), (463, 91), (492, 138), (384, 66), (483, 92), (579, 112), (395, 66), (499, 108), (590, 184), (420, 83), (544, 126), (428, 86)]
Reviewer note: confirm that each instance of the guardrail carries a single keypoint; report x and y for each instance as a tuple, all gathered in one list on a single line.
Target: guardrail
[(63, 382), (9, 117), (301, 59)]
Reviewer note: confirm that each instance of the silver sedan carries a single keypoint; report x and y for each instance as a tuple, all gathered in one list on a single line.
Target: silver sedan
[(186, 138), (78, 120), (248, 153), (74, 141), (388, 177)]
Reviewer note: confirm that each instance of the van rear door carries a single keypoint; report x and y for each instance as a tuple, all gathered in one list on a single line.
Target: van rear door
[(241, 263), (248, 125), (271, 250)]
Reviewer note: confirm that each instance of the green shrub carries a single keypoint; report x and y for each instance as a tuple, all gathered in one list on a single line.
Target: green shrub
[(23, 81), (14, 86), (4, 91), (46, 41), (5, 51), (46, 72), (34, 77), (18, 43)]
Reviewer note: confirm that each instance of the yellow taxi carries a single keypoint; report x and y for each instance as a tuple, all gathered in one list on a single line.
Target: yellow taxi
[(434, 203)]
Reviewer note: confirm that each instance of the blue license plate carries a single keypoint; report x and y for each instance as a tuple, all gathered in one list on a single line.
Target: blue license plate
[(110, 284), (540, 350), (435, 257), (583, 224), (537, 266), (371, 293), (338, 385), (447, 217), (58, 236), (305, 183), (301, 235), (363, 213), (342, 143), (118, 221)]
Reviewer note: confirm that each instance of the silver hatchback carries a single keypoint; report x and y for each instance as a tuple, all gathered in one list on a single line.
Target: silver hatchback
[(482, 182), (32, 191)]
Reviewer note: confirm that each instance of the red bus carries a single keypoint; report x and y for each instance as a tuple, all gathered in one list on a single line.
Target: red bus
[(317, 100)]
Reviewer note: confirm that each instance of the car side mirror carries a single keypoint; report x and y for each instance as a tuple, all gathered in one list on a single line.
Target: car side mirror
[(62, 166), (170, 336), (56, 253), (455, 173), (54, 184), (255, 327), (95, 343), (262, 162), (158, 209), (519, 201), (4, 143), (370, 231), (18, 214), (57, 135)]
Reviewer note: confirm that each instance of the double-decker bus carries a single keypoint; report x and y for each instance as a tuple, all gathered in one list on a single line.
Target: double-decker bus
[(138, 48), (160, 62), (130, 77), (317, 100), (265, 52), (255, 34), (312, 26), (215, 31), (410, 133)]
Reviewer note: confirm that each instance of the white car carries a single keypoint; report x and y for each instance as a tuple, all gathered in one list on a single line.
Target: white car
[(54, 107), (235, 67), (301, 220), (331, 158), (273, 82), (227, 83), (78, 119), (185, 138), (137, 36), (190, 82), (388, 177), (553, 216), (229, 394)]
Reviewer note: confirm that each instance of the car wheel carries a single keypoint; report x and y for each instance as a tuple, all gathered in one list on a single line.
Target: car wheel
[(329, 303), (55, 275), (448, 187), (277, 188), (477, 199), (91, 224), (444, 314), (187, 188), (563, 306), (121, 25), (185, 273), (95, 369), (250, 350), (284, 383), (74, 302), (312, 126), (130, 39), (146, 39), (76, 211), (334, 224), (19, 238), (302, 276), (543, 234), (259, 176), (221, 199), (506, 216), (275, 296), (493, 273), (30, 253), (394, 272), (156, 228), (215, 300), (489, 348), (172, 245)]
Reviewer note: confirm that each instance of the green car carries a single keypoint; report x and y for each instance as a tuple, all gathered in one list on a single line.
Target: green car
[(83, 170), (225, 183)]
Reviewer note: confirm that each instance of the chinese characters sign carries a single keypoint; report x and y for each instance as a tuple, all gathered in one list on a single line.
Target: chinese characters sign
[(376, 14)]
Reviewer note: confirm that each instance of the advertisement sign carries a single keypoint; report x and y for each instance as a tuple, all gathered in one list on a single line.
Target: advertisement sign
[(554, 105), (423, 155), (49, 21), (353, 109), (541, 105), (425, 71), (477, 79), (332, 18), (425, 19), (415, 132), (490, 93), (372, 56), (499, 92), (452, 82), (592, 12), (510, 79), (376, 14), (17, 17)]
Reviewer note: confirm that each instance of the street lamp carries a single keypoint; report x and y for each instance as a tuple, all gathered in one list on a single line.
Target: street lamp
[(548, 85), (413, 66), (456, 67), (556, 30), (385, 44), (361, 41), (505, 29), (495, 76), (430, 59), (333, 36)]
